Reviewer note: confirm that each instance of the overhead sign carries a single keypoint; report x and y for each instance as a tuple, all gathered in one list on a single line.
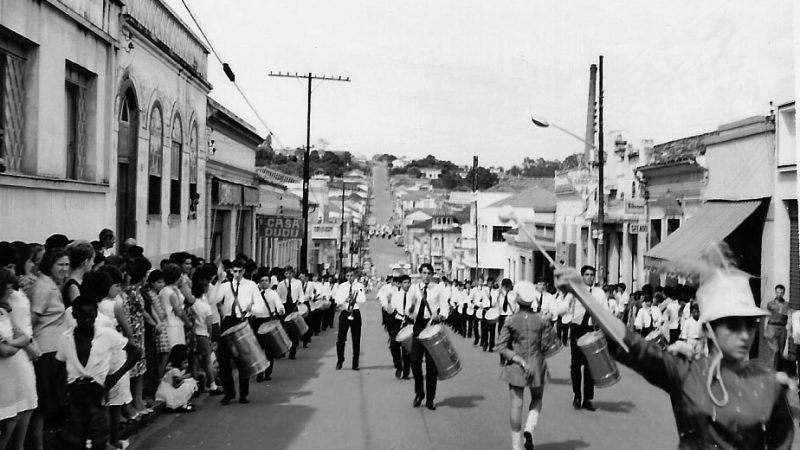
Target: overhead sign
[(280, 227), (638, 228), (634, 206)]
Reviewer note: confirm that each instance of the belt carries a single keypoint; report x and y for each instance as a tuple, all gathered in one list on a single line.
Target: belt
[(777, 324)]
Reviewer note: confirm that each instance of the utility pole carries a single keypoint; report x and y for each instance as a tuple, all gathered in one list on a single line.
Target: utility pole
[(601, 245), (341, 235), (475, 193), (306, 163)]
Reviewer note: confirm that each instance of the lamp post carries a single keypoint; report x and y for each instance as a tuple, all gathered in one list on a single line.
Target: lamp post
[(544, 123)]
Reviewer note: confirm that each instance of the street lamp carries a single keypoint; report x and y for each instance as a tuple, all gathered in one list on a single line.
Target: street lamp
[(544, 123)]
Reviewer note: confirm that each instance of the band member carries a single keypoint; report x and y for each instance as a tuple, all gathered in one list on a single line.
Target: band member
[(398, 301), (472, 328), (236, 300), (349, 296), (488, 329), (290, 291), (563, 300), (461, 306), (309, 296), (479, 292), (582, 324), (722, 400), (521, 345), (383, 295), (506, 301), (268, 307), (426, 305), (325, 289)]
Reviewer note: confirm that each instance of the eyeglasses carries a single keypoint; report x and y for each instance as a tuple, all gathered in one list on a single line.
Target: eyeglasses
[(425, 272), (237, 270)]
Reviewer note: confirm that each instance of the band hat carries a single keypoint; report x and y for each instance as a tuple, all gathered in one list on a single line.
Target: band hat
[(273, 281), (526, 293), (727, 294)]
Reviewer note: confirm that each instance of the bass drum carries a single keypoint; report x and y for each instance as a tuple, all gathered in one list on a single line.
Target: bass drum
[(244, 346), (295, 325), (302, 309), (435, 340), (405, 337), (275, 339), (492, 315)]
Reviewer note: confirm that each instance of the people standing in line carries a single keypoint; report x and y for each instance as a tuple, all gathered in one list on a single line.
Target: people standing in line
[(623, 298), (425, 307), (473, 299), (267, 309), (290, 290), (400, 301), (693, 332), (672, 318), (521, 346), (134, 311), (349, 296), (463, 301), (326, 291), (107, 240), (170, 301), (775, 331), (202, 326), (236, 300), (47, 318), (582, 382)]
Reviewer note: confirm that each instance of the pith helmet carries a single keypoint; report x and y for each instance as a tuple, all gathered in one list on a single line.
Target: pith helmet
[(727, 294), (526, 293)]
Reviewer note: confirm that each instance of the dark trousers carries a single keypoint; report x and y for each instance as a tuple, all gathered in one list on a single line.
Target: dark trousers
[(87, 417), (578, 362), (328, 316), (400, 357), (476, 329), (563, 331), (418, 351), (487, 334), (225, 358), (256, 322), (313, 326), (354, 326), (674, 335), (501, 320)]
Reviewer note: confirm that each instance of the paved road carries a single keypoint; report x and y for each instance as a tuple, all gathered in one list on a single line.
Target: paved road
[(384, 252)]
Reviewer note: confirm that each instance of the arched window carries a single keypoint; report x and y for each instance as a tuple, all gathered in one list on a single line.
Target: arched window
[(194, 197), (176, 161), (155, 161)]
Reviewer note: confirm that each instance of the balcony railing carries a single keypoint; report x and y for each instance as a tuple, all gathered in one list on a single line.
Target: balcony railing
[(159, 23)]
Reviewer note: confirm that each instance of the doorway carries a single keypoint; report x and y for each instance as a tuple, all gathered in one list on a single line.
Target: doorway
[(127, 138)]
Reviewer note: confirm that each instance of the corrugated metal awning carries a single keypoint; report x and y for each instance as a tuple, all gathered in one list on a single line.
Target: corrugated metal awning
[(250, 196), (713, 222)]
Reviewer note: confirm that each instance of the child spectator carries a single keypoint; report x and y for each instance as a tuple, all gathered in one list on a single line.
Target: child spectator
[(644, 318), (87, 351), (202, 330), (693, 332), (177, 387)]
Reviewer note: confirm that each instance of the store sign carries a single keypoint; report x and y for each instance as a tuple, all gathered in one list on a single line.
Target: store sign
[(634, 206), (638, 228), (280, 227)]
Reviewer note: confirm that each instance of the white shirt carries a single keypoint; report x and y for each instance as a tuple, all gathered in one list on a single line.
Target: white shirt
[(384, 295), (434, 298), (577, 310), (563, 300), (673, 313), (105, 343), (399, 301), (511, 297), (201, 312), (692, 330), (346, 290), (297, 291), (549, 305), (487, 297), (643, 319), (268, 304), (658, 317), (309, 290), (247, 294)]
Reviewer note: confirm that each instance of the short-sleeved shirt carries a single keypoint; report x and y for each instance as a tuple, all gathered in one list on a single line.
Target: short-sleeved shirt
[(46, 301), (105, 343), (201, 311)]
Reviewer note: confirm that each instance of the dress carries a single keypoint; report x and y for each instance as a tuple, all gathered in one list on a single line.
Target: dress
[(174, 397), (134, 309), (523, 331), (120, 394), (175, 332), (161, 335), (757, 415), (18, 392)]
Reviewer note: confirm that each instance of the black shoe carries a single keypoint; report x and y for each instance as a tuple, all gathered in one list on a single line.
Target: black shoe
[(227, 399), (576, 402), (260, 378), (430, 405), (528, 440), (216, 392), (292, 357), (338, 365), (398, 373), (587, 405), (267, 377), (244, 400), (356, 368), (406, 376), (417, 401)]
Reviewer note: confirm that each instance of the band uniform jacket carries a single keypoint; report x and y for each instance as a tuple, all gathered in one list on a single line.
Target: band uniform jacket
[(436, 303), (343, 294), (524, 330)]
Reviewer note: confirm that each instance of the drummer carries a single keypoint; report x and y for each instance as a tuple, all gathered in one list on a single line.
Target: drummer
[(398, 302), (488, 329), (384, 294), (721, 400), (507, 301), (349, 298), (290, 291), (520, 343), (268, 307), (309, 296), (235, 301), (426, 305)]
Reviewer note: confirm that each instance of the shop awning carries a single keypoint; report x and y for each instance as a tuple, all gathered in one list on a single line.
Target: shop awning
[(250, 195), (713, 222), (229, 194)]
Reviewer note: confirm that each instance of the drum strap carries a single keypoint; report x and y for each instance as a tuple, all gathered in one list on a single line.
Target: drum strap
[(266, 303), (236, 302)]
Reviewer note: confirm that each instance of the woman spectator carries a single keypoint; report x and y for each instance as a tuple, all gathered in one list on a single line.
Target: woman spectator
[(81, 261), (158, 315), (25, 269), (134, 308), (47, 318), (18, 393), (173, 306)]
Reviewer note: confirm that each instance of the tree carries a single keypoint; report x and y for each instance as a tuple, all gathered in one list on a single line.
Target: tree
[(486, 179), (572, 161)]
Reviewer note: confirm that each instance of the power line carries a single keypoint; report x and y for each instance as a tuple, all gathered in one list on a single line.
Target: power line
[(231, 76)]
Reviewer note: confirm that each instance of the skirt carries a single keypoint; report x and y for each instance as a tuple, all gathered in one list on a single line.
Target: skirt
[(162, 339), (120, 393), (18, 391), (176, 335), (515, 376), (51, 385), (175, 398)]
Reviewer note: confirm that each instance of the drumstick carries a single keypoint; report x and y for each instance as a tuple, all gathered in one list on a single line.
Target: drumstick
[(611, 326)]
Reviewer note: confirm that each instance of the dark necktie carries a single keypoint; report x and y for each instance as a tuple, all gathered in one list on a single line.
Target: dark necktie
[(405, 296), (289, 292), (505, 302), (423, 303)]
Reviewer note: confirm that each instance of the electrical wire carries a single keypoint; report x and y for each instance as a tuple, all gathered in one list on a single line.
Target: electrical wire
[(236, 85)]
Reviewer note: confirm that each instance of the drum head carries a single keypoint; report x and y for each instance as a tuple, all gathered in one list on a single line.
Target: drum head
[(291, 317), (589, 339), (233, 329), (492, 314), (267, 327), (429, 332), (404, 333), (653, 335), (302, 309)]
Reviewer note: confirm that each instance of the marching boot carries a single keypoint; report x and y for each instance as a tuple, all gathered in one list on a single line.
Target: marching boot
[(516, 440), (530, 424)]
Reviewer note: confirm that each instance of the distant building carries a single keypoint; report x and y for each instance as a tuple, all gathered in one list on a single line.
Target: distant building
[(431, 173)]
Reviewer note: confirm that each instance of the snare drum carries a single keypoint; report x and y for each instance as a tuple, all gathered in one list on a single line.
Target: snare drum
[(295, 325), (275, 339), (435, 340), (250, 358), (405, 336), (492, 315), (302, 309), (601, 365)]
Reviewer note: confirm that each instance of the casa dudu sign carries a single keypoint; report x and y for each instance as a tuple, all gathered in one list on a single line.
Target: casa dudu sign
[(280, 227)]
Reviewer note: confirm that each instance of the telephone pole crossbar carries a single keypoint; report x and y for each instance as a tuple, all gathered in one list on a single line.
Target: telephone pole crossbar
[(306, 157)]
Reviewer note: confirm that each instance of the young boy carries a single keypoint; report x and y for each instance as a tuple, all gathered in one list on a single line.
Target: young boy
[(87, 351), (693, 333), (644, 319)]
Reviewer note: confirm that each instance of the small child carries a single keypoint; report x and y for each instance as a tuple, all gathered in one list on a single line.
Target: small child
[(87, 352), (177, 387), (693, 332), (644, 319)]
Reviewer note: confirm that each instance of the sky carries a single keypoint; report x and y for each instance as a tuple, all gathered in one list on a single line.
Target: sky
[(457, 78)]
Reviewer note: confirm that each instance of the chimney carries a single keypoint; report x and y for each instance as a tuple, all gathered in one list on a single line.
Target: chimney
[(591, 119)]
